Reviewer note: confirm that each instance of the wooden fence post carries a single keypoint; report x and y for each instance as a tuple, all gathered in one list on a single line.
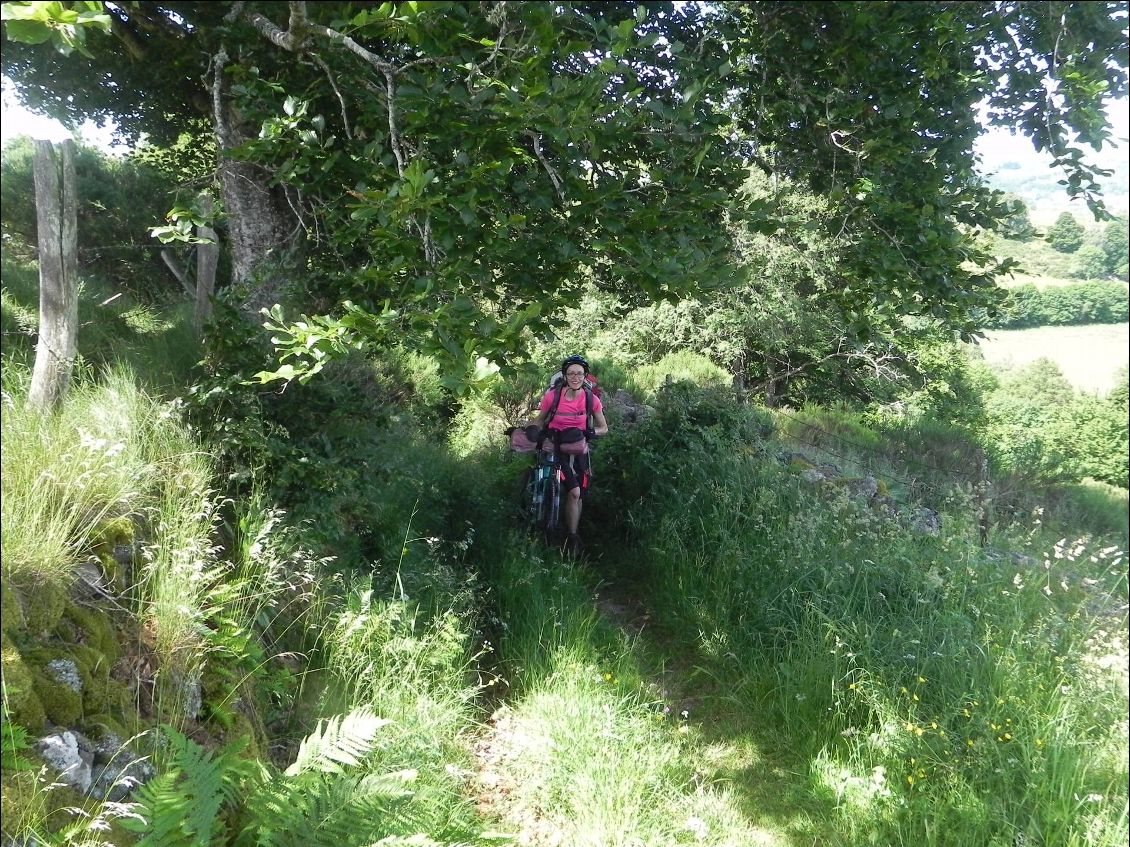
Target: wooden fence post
[(56, 214), (207, 257)]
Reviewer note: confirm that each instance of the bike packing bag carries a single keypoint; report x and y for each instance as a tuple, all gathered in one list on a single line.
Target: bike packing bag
[(571, 441), (524, 438)]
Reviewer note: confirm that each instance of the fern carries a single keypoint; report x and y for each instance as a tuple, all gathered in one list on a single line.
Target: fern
[(14, 741), (317, 809), (341, 740), (316, 802), (182, 806), (161, 807)]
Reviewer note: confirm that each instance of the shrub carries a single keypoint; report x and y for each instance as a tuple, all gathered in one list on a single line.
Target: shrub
[(682, 366), (1097, 301), (118, 201)]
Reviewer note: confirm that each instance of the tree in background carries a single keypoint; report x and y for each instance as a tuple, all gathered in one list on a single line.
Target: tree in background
[(1090, 262), (1066, 234), (1114, 241), (875, 107), (1018, 224)]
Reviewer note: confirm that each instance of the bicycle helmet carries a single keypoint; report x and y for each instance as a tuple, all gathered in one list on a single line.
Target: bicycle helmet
[(575, 360)]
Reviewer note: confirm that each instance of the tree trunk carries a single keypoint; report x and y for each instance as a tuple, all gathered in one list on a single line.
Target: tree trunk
[(261, 247), (262, 228), (57, 221), (207, 256), (773, 386)]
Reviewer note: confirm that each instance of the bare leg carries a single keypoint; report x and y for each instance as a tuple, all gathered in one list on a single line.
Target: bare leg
[(573, 510)]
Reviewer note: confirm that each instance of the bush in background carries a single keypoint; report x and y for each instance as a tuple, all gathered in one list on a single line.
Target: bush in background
[(1095, 302), (682, 366), (118, 201)]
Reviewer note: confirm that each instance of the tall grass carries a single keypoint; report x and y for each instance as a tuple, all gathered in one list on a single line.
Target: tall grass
[(941, 696), (111, 452), (67, 471), (154, 340)]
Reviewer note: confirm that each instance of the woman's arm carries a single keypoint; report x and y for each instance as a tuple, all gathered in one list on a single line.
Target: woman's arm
[(543, 415), (601, 425)]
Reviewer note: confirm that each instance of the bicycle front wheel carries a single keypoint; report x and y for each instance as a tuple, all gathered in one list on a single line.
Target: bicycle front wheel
[(553, 502)]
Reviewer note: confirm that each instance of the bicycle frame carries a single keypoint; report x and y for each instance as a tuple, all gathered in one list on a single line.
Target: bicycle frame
[(541, 494)]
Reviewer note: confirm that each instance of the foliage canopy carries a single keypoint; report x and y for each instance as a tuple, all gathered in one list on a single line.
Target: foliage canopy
[(457, 171)]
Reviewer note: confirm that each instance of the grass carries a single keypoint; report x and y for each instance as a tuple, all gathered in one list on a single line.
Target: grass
[(588, 750), (1040, 281), (939, 697), (66, 473), (811, 671), (1089, 356), (111, 453)]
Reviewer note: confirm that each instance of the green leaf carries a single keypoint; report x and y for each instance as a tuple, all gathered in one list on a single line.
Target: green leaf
[(27, 31)]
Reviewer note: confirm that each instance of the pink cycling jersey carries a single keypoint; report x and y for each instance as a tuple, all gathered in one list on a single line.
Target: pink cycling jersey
[(570, 414)]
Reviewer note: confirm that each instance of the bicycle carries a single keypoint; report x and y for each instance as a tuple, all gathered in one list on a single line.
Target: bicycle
[(541, 494)]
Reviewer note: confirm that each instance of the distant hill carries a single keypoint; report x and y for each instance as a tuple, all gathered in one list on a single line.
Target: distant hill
[(1038, 185)]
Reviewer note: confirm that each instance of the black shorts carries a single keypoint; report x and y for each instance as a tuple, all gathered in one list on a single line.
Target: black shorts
[(575, 472)]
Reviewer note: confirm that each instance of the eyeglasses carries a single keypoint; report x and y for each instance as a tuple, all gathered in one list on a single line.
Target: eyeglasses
[(572, 374)]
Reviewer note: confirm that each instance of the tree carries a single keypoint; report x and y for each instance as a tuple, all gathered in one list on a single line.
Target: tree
[(1090, 262), (460, 163), (875, 105), (1018, 224), (1113, 241), (1066, 234), (472, 163)]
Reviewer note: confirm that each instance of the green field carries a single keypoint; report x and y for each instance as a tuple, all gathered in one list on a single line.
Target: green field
[(1089, 356)]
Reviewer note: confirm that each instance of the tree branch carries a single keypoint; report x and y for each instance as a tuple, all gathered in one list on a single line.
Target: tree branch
[(553, 177), (349, 44), (337, 91), (180, 273), (128, 38), (285, 39)]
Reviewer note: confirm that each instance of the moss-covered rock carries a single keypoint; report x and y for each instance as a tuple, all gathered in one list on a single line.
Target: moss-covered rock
[(11, 611), (69, 680), (41, 603), (25, 804), (91, 627), (24, 706), (39, 815), (859, 487), (100, 693), (61, 704), (108, 538), (241, 727), (106, 728)]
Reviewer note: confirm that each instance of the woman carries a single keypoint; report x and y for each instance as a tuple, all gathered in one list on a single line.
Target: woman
[(564, 415)]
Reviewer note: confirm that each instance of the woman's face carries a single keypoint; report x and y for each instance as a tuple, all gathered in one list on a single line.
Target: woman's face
[(574, 375)]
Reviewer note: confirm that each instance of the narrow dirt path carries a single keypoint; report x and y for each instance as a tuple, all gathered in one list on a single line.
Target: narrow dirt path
[(620, 608)]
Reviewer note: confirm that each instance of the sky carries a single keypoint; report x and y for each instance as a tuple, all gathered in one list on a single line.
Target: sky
[(16, 120), (998, 146)]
